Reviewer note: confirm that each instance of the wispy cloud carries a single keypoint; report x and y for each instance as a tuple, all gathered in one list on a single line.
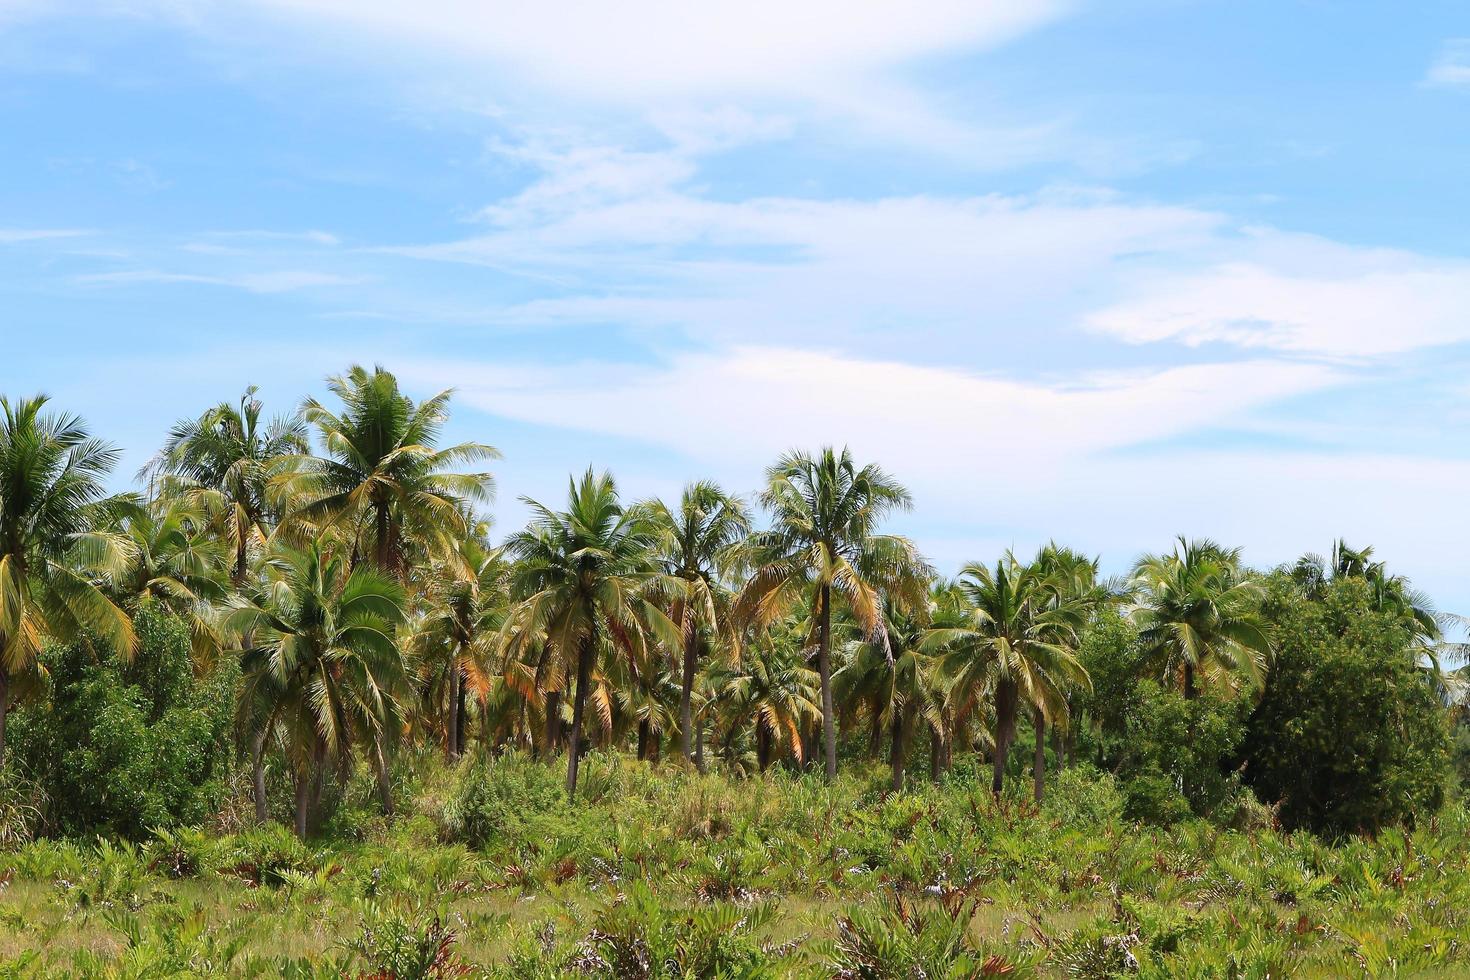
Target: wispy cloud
[(255, 282), (20, 236), (1451, 68)]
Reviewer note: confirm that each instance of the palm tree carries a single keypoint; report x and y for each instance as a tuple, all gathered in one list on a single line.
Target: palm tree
[(1017, 642), (823, 547), (466, 597), (325, 668), (174, 559), (891, 672), (1198, 615), (383, 476), (770, 689), (227, 456), (583, 577), (1391, 593), (697, 544), (51, 497)]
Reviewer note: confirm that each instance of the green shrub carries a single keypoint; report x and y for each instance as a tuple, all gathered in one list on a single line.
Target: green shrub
[(1085, 797), (1349, 735), (507, 800), (125, 747)]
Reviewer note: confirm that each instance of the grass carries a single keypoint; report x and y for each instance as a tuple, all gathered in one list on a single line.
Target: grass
[(663, 873)]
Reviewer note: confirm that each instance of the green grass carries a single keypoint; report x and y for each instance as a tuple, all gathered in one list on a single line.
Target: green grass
[(662, 873)]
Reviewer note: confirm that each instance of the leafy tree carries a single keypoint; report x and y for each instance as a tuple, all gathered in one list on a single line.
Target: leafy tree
[(124, 746), (51, 498), (823, 547), (1017, 643), (1199, 619), (582, 577), (383, 476), (324, 669), (1349, 735), (226, 456), (1178, 752), (697, 543)]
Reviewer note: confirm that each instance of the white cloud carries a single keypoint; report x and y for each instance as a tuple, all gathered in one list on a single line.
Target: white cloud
[(21, 236), (746, 404), (255, 282), (1452, 67)]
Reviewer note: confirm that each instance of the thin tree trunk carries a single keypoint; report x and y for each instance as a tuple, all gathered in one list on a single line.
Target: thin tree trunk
[(1038, 766), (762, 745), (936, 756), (385, 778), (579, 704), (824, 666), (1189, 688), (686, 694), (643, 740), (553, 721), (4, 709), (1005, 731), (461, 715), (257, 774), (896, 755), (875, 734), (303, 801), (699, 746), (451, 724)]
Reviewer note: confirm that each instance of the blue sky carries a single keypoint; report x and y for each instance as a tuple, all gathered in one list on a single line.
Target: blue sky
[(1099, 272)]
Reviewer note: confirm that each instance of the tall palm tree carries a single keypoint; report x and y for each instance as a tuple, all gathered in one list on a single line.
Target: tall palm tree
[(383, 476), (466, 598), (1391, 593), (51, 500), (583, 578), (823, 547), (325, 668), (1198, 614), (697, 544), (1016, 643), (227, 456)]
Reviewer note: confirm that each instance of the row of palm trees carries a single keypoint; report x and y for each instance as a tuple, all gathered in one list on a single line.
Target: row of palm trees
[(340, 556)]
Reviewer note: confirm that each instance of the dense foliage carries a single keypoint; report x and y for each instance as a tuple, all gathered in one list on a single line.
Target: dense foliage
[(300, 660)]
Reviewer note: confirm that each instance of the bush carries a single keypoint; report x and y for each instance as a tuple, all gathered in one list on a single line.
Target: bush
[(1349, 736), (1085, 797), (1179, 750), (511, 799), (125, 747)]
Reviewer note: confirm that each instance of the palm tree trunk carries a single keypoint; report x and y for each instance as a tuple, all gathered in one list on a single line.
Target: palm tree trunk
[(4, 708), (451, 725), (257, 774), (686, 694), (579, 705), (553, 721), (875, 734), (303, 801), (896, 754), (699, 747), (643, 740), (1038, 765), (936, 753), (461, 716), (762, 745), (1189, 687), (824, 667), (385, 778), (1005, 731)]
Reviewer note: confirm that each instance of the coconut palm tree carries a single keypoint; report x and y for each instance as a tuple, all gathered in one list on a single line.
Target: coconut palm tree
[(771, 690), (226, 457), (1391, 593), (822, 548), (51, 503), (697, 545), (1016, 644), (382, 476), (583, 579), (1198, 615), (891, 673), (174, 559), (466, 597), (324, 669)]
